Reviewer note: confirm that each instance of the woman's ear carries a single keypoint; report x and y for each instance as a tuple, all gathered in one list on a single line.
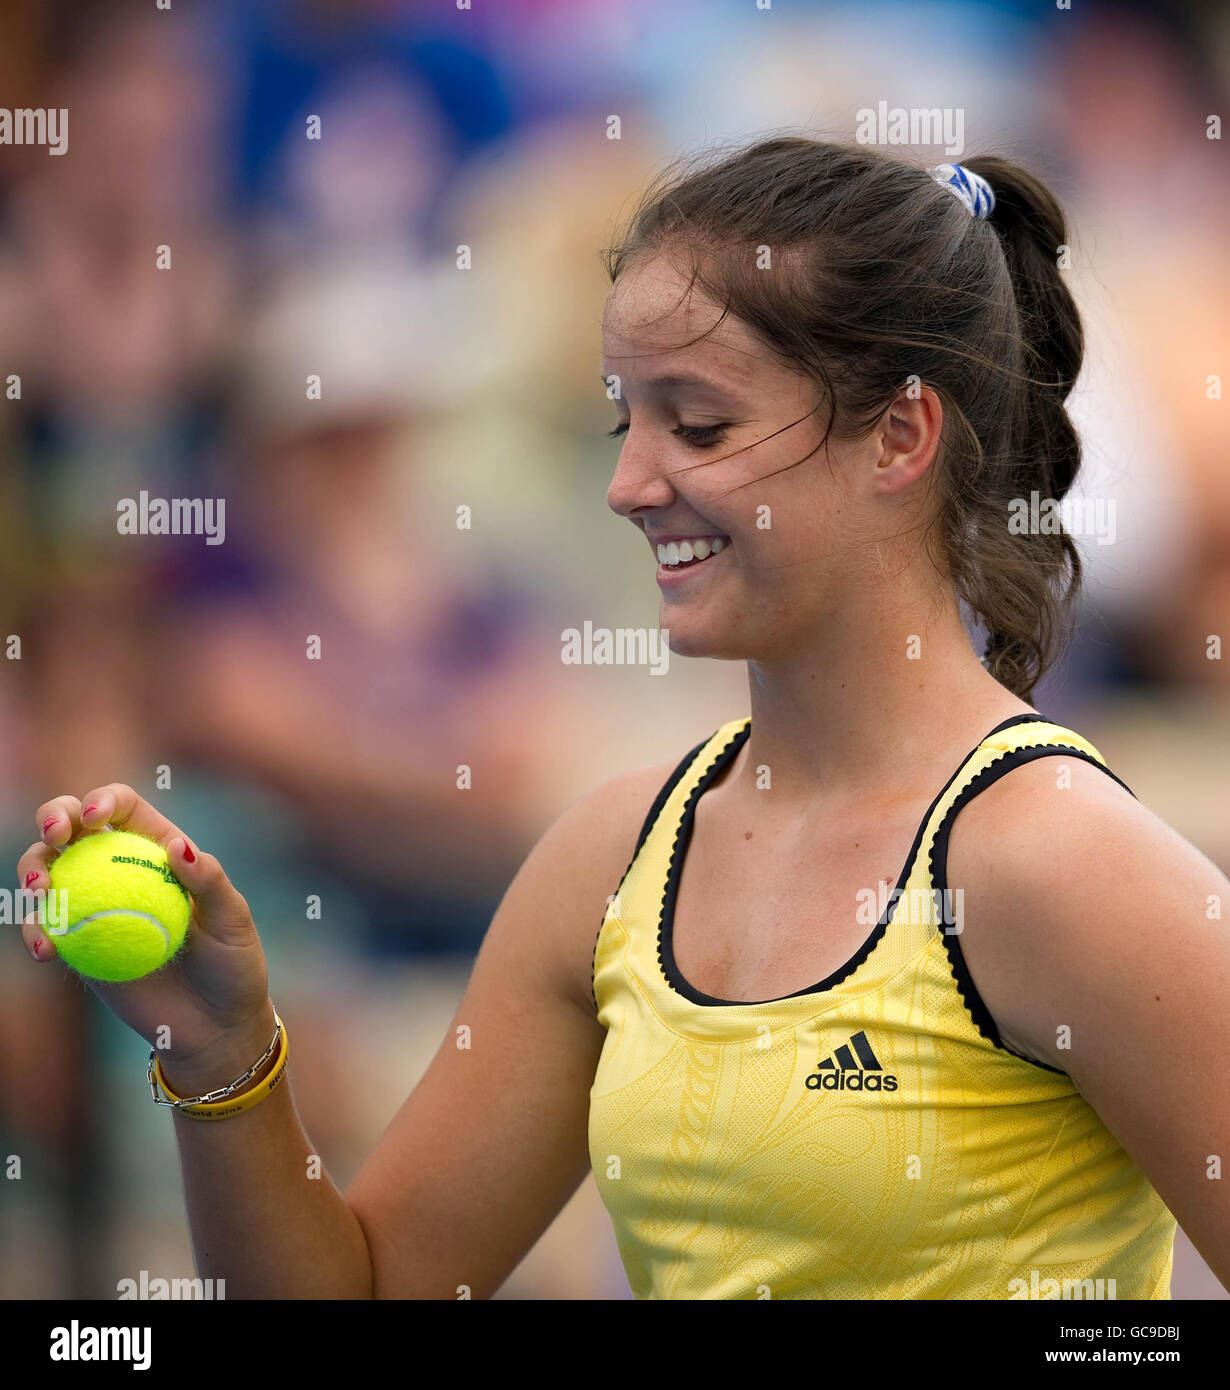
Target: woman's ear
[(909, 435)]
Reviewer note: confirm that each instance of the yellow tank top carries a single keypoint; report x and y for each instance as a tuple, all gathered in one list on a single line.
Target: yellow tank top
[(870, 1137)]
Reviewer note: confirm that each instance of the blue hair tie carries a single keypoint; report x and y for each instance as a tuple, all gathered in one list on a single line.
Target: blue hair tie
[(973, 190)]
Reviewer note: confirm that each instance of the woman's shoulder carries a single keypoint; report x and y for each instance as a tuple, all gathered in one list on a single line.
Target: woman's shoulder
[(604, 825), (1069, 882), (1059, 821), (581, 858)]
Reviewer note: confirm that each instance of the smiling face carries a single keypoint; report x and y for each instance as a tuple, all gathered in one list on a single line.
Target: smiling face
[(761, 534)]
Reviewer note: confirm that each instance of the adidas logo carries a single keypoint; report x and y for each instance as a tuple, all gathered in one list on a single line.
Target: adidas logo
[(852, 1067)]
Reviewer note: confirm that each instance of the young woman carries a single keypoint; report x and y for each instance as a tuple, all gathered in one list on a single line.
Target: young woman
[(898, 992)]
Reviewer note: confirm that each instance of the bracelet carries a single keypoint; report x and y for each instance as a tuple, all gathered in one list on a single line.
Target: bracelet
[(219, 1105)]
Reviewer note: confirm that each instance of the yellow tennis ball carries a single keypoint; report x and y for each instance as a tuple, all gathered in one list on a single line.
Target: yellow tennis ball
[(116, 911)]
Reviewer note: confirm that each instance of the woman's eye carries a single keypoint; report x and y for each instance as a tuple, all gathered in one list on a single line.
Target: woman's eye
[(700, 436)]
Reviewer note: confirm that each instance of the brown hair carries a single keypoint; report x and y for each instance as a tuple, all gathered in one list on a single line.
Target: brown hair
[(881, 274)]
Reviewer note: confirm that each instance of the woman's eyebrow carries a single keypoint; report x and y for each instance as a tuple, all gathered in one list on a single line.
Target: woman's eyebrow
[(676, 381)]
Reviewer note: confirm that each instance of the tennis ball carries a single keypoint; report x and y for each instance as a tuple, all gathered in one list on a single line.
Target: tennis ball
[(118, 911)]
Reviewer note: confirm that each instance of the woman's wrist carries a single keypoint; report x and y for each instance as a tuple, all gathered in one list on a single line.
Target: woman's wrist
[(229, 1055)]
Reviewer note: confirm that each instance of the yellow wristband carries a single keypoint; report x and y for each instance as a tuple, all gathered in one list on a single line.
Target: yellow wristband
[(234, 1105)]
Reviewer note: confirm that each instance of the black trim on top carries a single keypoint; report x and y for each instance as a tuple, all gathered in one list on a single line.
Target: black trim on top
[(1011, 723), (646, 826), (663, 796), (974, 1002), (683, 836)]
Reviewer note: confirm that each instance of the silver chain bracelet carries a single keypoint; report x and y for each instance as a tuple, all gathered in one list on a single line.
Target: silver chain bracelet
[(211, 1096)]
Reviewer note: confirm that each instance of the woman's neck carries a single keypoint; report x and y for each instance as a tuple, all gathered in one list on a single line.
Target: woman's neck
[(888, 686)]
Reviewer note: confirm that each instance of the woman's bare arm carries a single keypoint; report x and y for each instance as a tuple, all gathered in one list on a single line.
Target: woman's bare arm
[(487, 1148)]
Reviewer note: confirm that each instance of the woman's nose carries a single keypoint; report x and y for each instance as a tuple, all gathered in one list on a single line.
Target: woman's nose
[(640, 479)]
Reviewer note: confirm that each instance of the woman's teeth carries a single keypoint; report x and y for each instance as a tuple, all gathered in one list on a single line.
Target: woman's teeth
[(682, 552)]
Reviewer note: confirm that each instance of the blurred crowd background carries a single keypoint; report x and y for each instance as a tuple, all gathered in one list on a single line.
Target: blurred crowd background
[(479, 388)]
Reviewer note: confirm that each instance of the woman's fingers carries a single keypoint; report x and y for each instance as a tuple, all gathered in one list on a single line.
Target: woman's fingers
[(37, 942), (118, 805), (221, 909), (58, 820), (32, 877), (33, 865)]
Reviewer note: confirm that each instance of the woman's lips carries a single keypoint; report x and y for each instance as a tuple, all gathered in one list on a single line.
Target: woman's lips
[(680, 558), (689, 550)]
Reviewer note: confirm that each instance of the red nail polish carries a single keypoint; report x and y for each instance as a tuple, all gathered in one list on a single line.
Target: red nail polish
[(49, 822), (36, 947), (31, 876), (188, 854), (93, 806)]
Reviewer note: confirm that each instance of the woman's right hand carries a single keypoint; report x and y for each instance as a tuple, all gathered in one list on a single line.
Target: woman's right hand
[(207, 1010)]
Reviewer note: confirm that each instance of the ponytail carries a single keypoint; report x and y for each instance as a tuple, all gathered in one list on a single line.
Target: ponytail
[(1023, 607)]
